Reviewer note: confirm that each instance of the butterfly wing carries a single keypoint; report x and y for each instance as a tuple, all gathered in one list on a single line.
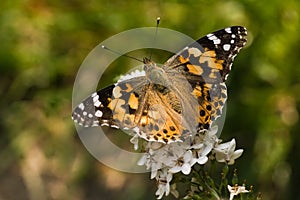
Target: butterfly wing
[(108, 106), (150, 110), (210, 58), (206, 64)]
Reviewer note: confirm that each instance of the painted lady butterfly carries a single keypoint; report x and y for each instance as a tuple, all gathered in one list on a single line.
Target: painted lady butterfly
[(170, 102)]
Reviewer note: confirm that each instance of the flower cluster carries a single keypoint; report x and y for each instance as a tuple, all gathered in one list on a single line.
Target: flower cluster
[(164, 160)]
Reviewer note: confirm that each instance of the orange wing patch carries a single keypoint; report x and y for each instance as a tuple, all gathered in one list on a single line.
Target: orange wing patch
[(211, 99), (194, 69), (164, 128), (202, 61), (209, 56), (133, 101), (116, 105)]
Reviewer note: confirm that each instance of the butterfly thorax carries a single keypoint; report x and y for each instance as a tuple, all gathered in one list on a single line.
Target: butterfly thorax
[(155, 74)]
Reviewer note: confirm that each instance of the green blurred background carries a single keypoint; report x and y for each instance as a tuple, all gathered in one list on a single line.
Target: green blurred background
[(43, 44)]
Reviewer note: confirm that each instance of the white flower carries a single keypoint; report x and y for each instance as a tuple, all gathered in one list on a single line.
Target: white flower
[(183, 163), (163, 160), (163, 179), (151, 164), (154, 169), (235, 190), (162, 189), (170, 153), (226, 152), (200, 160), (203, 145), (210, 139)]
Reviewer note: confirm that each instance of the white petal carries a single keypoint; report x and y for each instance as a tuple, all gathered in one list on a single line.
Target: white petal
[(229, 188), (167, 189), (193, 161), (169, 177), (186, 168), (206, 150), (188, 156), (237, 153), (153, 174), (160, 191), (202, 160), (175, 169), (232, 146)]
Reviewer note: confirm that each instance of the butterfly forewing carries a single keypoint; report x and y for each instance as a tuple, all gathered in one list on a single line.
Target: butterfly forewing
[(210, 58), (108, 106)]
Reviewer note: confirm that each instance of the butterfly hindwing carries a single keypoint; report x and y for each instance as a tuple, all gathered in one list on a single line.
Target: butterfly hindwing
[(160, 118)]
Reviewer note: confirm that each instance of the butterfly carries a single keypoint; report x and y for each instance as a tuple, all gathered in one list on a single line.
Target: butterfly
[(171, 102)]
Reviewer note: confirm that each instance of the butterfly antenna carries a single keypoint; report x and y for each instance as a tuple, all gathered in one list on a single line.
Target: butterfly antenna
[(154, 40), (118, 53)]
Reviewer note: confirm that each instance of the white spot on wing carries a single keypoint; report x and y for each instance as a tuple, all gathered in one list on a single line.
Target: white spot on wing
[(228, 30), (217, 41), (226, 47), (104, 124), (95, 123), (226, 76), (98, 113), (97, 103), (114, 126), (212, 37), (81, 106), (95, 98)]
